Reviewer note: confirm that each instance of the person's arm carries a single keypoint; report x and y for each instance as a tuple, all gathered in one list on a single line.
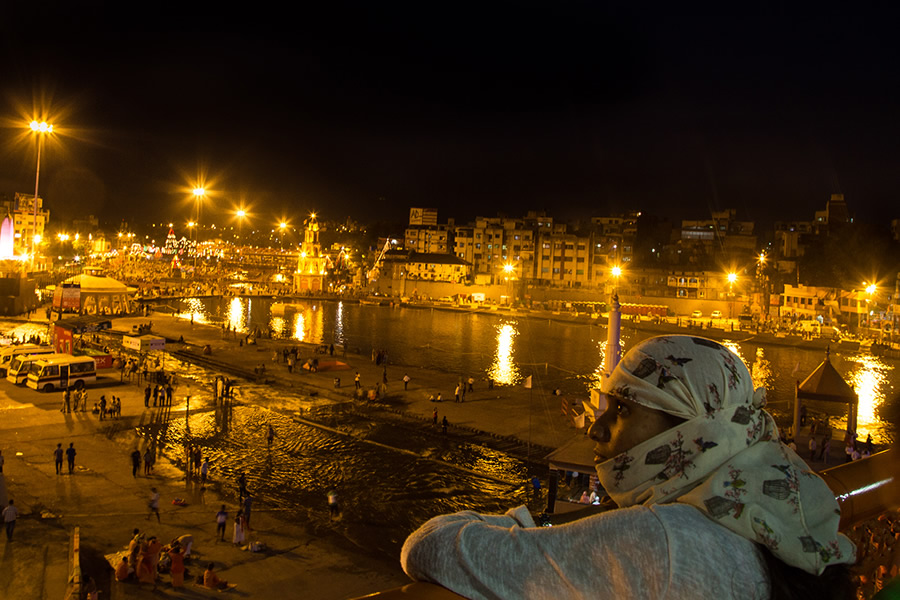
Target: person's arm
[(618, 554)]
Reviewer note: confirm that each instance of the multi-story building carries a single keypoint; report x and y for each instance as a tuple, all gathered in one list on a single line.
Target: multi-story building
[(425, 235), (25, 224), (310, 273)]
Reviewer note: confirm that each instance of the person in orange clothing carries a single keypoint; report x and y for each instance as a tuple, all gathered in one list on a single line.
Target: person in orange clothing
[(177, 567), (211, 580), (122, 570)]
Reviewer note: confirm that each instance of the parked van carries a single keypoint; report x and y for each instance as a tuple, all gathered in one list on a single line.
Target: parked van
[(20, 366), (7, 354), (67, 371)]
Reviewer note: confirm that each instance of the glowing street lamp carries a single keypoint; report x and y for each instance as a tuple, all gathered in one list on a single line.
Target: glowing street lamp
[(40, 129), (199, 194), (241, 214), (732, 278)]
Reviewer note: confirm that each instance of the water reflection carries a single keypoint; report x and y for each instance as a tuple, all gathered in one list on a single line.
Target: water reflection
[(235, 318), (299, 332), (339, 323), (504, 370), (868, 377), (761, 370), (195, 310)]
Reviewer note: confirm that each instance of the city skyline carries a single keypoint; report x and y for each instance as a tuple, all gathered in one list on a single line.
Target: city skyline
[(579, 111)]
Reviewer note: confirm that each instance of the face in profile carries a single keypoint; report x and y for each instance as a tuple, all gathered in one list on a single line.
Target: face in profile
[(625, 424)]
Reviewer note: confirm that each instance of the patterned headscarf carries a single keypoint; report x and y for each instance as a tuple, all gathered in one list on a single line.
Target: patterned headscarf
[(726, 458)]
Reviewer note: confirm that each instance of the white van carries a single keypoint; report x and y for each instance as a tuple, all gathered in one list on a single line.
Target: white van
[(67, 371), (9, 353), (20, 366)]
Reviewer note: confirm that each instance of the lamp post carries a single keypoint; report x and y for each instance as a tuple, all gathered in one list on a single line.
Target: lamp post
[(281, 227), (241, 214), (40, 129), (199, 193), (732, 277)]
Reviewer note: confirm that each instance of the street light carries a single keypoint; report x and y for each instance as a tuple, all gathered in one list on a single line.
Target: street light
[(40, 129), (241, 215), (281, 227), (732, 278), (199, 193)]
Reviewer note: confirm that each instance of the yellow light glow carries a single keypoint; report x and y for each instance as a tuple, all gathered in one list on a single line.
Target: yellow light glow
[(509, 267), (191, 223), (41, 127), (199, 191), (871, 289), (504, 369), (617, 271), (282, 225), (241, 214), (762, 257), (37, 238), (732, 277)]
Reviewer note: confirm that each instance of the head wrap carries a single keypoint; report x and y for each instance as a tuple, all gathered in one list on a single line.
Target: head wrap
[(725, 459)]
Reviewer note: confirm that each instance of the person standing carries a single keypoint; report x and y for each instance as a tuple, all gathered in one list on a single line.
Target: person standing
[(242, 485), (826, 449), (147, 393), (356, 381), (135, 462), (10, 514), (102, 407), (70, 457), (812, 447), (334, 509), (270, 434), (434, 417), (177, 565), (148, 462), (405, 381), (153, 504), (58, 457), (444, 424), (204, 470), (456, 393), (237, 537), (221, 520), (471, 383), (248, 504)]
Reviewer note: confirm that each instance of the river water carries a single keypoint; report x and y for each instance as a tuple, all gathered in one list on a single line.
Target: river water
[(559, 355)]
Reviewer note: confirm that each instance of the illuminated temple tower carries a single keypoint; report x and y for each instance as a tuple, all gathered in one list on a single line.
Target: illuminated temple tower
[(310, 274)]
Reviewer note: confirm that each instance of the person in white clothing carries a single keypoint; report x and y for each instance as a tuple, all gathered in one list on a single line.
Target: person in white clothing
[(711, 503)]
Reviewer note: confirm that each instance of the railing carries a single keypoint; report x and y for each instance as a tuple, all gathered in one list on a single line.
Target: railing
[(863, 488)]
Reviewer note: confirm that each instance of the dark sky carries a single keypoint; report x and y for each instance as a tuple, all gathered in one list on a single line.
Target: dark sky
[(361, 110)]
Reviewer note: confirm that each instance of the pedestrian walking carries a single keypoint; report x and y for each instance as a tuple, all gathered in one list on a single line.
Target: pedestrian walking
[(356, 381), (221, 520), (456, 393), (148, 462), (826, 449), (153, 504), (10, 514), (70, 457), (102, 407), (405, 381), (67, 401), (444, 424), (198, 459), (58, 458), (812, 447), (135, 462), (270, 435), (471, 383), (204, 470), (434, 417), (147, 392)]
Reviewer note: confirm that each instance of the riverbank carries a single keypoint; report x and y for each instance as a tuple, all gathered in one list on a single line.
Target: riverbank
[(107, 502)]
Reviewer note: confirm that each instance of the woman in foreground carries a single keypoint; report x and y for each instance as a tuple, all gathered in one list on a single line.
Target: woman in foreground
[(711, 503)]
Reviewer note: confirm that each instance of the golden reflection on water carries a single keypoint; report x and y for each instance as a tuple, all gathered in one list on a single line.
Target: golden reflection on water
[(868, 376), (236, 319), (761, 371), (195, 311), (504, 370), (299, 332)]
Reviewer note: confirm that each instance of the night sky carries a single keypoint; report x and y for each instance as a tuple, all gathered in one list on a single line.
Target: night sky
[(361, 110)]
